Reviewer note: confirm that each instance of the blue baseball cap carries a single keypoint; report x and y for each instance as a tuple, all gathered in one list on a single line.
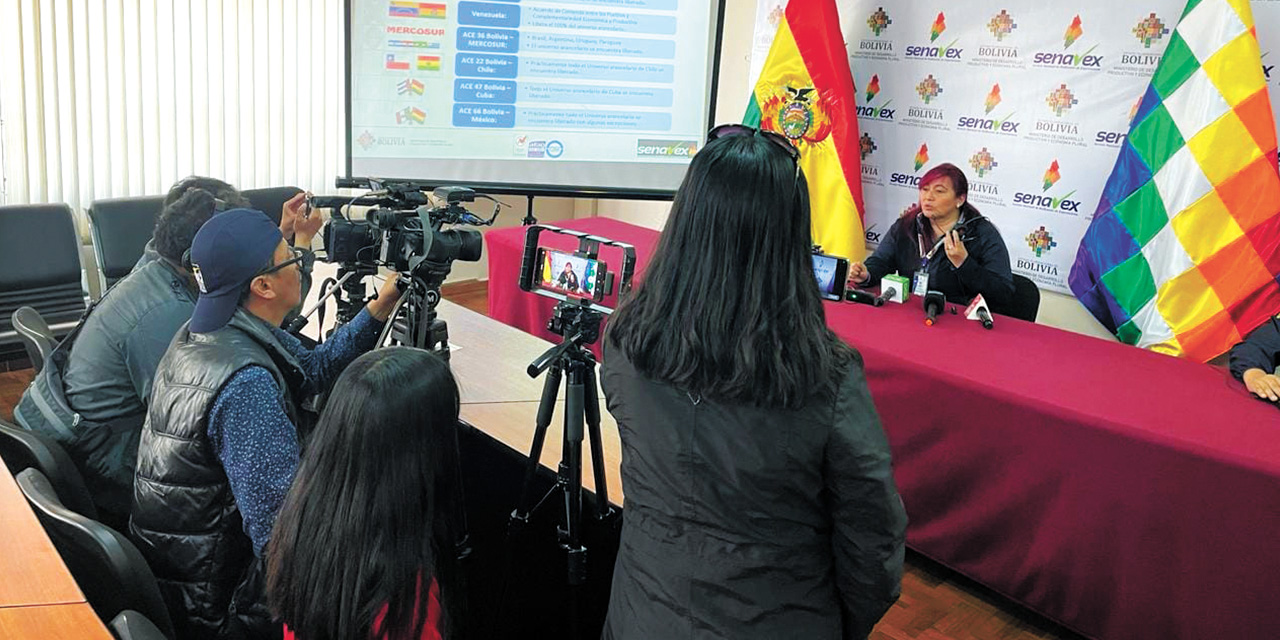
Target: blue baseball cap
[(227, 252)]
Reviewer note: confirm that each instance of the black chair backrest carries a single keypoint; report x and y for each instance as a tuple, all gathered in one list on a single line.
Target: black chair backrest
[(23, 449), (121, 228), (270, 200), (131, 625), (108, 568), (35, 335), (39, 265), (1026, 299)]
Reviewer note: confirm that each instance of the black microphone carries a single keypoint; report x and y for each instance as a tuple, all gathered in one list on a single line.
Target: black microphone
[(934, 302), (886, 295), (985, 318), (863, 297)]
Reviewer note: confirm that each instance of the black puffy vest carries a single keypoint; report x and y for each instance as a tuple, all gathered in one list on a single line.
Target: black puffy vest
[(184, 517)]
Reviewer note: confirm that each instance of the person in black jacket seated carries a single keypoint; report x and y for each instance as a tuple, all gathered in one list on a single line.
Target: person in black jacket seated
[(92, 396), (220, 444), (1254, 361), (760, 500), (945, 237)]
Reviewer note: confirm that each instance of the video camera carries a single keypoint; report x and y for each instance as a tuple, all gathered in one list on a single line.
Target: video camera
[(402, 231)]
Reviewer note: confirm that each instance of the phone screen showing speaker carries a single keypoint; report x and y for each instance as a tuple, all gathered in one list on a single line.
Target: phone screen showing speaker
[(564, 272), (831, 273)]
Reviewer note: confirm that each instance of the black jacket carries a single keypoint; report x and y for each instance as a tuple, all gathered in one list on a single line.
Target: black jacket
[(742, 522), (184, 517), (1260, 350), (986, 271)]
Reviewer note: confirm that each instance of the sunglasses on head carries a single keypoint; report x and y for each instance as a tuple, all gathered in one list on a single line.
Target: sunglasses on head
[(730, 130)]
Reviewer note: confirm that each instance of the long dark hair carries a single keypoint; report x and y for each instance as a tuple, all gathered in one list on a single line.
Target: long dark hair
[(729, 308), (369, 520), (959, 184)]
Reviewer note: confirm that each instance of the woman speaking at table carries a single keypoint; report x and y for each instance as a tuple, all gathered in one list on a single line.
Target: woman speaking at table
[(760, 501), (944, 240)]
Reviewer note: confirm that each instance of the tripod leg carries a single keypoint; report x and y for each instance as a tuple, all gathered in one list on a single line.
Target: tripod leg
[(546, 408), (573, 431), (592, 412)]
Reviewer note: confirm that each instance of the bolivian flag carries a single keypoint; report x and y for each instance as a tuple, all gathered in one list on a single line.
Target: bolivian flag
[(806, 93)]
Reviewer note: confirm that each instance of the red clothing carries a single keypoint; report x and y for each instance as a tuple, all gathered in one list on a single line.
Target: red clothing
[(430, 631)]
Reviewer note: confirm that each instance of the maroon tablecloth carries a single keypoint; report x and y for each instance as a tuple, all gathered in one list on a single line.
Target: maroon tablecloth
[(1123, 493)]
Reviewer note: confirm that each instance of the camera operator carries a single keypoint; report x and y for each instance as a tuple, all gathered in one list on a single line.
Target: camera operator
[(220, 445), (92, 395)]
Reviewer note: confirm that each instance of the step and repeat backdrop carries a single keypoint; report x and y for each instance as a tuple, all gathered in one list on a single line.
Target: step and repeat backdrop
[(1032, 100)]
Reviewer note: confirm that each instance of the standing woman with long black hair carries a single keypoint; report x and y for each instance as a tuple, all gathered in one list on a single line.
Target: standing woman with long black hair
[(760, 500), (365, 543)]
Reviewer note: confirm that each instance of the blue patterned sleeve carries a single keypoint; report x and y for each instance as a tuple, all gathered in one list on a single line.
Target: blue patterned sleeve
[(258, 447), (323, 364)]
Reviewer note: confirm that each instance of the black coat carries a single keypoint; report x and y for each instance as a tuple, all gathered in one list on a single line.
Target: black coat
[(986, 271), (184, 518), (742, 522)]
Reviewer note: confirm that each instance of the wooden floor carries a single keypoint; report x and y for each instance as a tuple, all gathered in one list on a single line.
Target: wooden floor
[(936, 603)]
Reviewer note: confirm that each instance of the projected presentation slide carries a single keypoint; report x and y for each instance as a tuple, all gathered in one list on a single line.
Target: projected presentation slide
[(592, 93)]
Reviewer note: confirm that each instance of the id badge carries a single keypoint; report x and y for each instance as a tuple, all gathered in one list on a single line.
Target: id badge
[(920, 283)]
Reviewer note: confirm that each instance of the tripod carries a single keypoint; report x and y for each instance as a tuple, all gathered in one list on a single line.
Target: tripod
[(580, 326)]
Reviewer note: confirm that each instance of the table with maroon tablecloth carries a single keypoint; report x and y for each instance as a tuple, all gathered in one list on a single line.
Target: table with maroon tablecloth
[(1124, 493)]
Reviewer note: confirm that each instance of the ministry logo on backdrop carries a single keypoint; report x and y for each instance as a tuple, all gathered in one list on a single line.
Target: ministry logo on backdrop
[(1141, 62), (870, 168), (870, 110), (934, 50), (867, 146), (366, 140), (985, 121), (1073, 55), (982, 191), (877, 46), (1060, 125), (1048, 197), (929, 116), (999, 53), (1041, 242)]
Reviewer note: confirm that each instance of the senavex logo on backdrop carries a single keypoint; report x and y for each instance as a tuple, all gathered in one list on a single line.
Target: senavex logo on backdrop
[(1046, 198), (872, 111), (1071, 56), (935, 49), (988, 120), (912, 180)]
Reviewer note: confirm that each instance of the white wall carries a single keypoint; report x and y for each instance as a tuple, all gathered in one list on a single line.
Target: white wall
[(1056, 310)]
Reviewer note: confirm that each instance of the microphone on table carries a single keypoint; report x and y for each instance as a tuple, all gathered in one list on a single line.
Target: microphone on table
[(979, 311), (864, 297), (934, 302), (889, 293)]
